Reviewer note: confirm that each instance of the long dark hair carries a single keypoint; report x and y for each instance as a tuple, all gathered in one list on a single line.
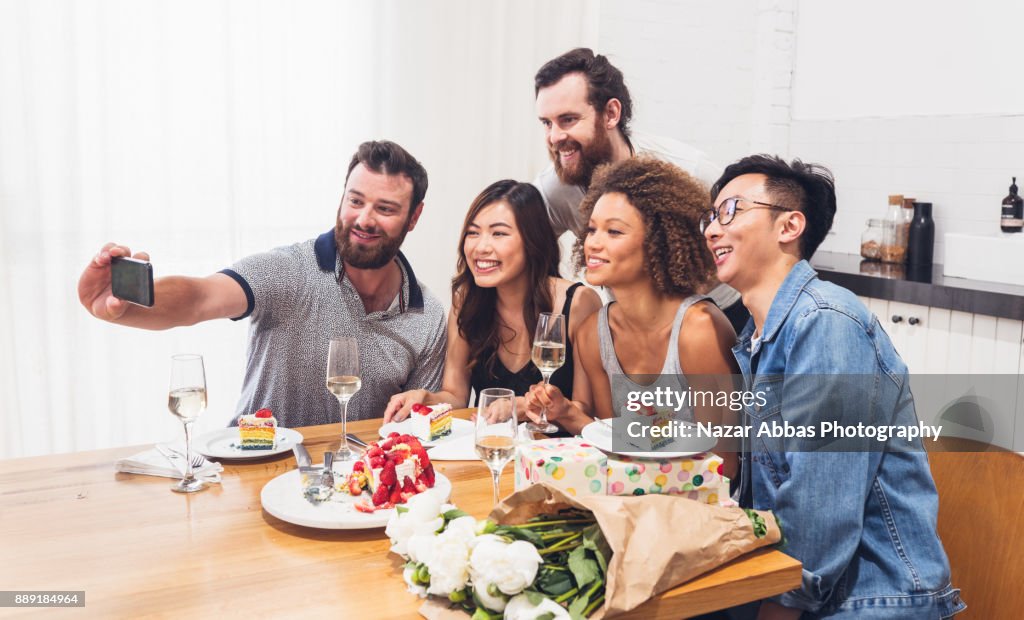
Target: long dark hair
[(477, 306)]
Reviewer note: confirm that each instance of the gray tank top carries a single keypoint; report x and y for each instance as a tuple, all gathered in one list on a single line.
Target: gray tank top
[(671, 372)]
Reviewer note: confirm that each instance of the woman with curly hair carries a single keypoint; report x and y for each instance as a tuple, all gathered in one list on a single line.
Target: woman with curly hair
[(643, 242), (507, 274)]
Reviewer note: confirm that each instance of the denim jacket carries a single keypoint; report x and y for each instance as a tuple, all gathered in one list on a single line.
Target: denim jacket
[(863, 522)]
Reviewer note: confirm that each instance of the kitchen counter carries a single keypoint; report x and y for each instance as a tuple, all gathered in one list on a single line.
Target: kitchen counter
[(923, 286)]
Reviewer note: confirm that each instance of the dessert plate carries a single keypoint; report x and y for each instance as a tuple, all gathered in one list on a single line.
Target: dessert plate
[(225, 444), (600, 434), (460, 428), (282, 498)]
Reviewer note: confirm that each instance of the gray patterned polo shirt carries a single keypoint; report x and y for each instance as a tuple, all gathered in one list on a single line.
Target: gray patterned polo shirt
[(298, 300)]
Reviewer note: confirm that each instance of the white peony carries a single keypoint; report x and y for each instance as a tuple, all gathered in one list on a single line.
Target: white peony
[(510, 567), (520, 608), (422, 517), (448, 560)]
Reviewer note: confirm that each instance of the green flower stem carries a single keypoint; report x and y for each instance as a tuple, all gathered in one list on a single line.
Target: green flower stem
[(562, 544), (593, 605), (568, 595), (554, 535), (554, 567), (598, 584), (547, 523)]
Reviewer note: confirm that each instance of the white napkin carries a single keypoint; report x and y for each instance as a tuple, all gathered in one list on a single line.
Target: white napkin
[(152, 463), (461, 448)]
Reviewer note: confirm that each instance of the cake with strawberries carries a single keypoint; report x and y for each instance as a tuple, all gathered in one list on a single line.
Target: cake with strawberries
[(392, 470), (257, 431), (431, 422)]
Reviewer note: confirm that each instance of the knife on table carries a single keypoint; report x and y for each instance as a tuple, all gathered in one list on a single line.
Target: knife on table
[(302, 458)]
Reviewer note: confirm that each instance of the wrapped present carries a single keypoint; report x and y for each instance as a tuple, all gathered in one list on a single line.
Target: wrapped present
[(569, 464), (698, 477)]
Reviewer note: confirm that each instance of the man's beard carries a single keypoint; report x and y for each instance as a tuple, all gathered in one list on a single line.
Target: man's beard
[(367, 257), (598, 152)]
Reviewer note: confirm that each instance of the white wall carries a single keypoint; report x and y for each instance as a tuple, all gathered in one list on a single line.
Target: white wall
[(816, 80)]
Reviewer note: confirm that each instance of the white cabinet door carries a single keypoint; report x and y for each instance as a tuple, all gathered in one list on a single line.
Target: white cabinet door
[(907, 324), (936, 341)]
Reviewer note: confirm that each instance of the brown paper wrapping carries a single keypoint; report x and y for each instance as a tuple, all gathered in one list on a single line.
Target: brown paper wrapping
[(657, 541)]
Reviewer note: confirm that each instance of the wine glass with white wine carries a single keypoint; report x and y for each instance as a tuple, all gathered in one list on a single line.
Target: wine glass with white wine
[(186, 398), (343, 381), (496, 430), (548, 356)]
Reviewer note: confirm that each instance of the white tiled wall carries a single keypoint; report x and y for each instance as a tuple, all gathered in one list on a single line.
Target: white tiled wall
[(719, 75), (961, 164)]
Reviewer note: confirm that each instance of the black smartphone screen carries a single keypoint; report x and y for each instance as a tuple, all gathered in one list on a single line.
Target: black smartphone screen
[(132, 280)]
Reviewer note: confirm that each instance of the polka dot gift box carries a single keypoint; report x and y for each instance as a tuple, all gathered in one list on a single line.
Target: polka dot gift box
[(570, 464), (697, 477)]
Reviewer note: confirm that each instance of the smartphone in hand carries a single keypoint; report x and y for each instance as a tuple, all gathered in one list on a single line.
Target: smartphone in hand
[(132, 280)]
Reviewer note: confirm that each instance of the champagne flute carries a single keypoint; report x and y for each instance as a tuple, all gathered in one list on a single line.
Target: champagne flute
[(496, 430), (186, 398), (548, 356), (343, 381)]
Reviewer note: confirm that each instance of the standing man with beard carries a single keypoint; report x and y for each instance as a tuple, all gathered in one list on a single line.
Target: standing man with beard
[(352, 281), (585, 107)]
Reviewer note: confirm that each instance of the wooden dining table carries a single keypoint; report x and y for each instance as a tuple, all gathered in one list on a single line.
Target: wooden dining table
[(69, 522)]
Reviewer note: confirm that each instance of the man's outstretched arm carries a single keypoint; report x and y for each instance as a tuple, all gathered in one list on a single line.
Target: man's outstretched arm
[(178, 300)]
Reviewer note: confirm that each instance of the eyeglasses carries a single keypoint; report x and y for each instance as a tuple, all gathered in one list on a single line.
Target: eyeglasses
[(726, 211)]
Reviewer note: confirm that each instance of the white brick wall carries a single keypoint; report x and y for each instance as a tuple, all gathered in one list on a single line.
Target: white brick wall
[(719, 75), (961, 164), (689, 66)]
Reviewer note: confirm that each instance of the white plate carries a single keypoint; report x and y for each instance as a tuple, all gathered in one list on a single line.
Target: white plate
[(600, 434), (282, 497), (224, 444), (460, 428)]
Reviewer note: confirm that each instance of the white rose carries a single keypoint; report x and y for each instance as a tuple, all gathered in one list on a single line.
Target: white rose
[(422, 517), (520, 608), (511, 567), (449, 557)]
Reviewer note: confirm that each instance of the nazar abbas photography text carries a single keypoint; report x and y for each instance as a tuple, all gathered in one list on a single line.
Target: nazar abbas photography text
[(662, 397)]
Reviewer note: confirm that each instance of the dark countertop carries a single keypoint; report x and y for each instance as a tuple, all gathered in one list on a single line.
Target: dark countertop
[(925, 287)]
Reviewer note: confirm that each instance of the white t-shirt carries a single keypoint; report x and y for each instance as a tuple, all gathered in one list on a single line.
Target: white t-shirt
[(563, 200)]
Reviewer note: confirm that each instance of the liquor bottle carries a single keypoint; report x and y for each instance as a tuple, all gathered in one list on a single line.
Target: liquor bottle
[(1012, 220)]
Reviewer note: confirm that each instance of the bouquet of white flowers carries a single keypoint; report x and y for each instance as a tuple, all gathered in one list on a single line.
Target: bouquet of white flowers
[(552, 566), (543, 555)]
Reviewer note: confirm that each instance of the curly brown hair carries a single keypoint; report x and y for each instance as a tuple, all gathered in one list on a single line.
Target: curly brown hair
[(671, 203)]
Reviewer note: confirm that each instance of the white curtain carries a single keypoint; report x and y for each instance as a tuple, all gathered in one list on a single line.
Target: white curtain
[(205, 131)]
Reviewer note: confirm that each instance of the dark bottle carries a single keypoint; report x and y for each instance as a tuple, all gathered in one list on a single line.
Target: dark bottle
[(922, 235), (1012, 220)]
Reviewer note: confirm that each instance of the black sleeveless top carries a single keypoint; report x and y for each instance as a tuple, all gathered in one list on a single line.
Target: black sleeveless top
[(528, 375)]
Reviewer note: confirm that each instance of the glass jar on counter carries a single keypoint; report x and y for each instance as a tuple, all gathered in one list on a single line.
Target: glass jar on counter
[(872, 238)]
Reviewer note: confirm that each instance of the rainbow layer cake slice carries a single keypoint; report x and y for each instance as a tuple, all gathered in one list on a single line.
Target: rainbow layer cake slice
[(257, 430), (430, 423)]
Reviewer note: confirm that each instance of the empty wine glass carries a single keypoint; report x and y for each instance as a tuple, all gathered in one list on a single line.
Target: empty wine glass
[(548, 356), (496, 430), (186, 398), (343, 381)]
